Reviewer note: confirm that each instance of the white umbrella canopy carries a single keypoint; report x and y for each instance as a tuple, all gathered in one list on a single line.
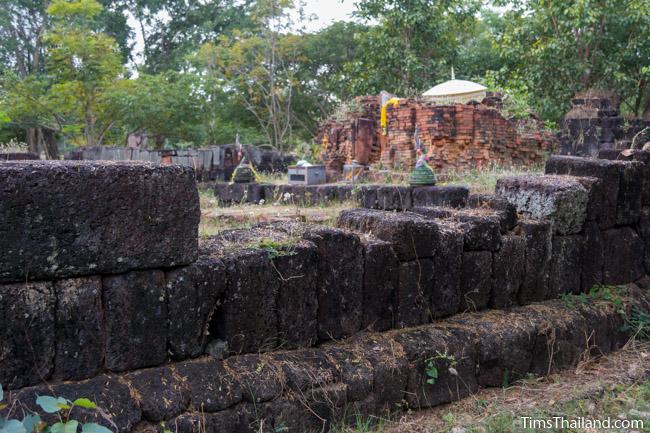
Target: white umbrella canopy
[(456, 91)]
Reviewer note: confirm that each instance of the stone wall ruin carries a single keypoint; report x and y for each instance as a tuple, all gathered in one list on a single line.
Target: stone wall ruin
[(296, 326)]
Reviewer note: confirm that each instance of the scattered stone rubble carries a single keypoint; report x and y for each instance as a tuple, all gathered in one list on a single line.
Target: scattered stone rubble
[(314, 324)]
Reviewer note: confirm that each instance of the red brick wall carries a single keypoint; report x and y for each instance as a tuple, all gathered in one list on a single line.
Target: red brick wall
[(454, 136)]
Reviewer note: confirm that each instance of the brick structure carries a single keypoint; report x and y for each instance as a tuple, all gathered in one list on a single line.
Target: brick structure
[(454, 136)]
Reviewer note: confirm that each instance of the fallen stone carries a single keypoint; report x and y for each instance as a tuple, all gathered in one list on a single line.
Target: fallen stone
[(73, 218), (562, 200), (79, 328), (27, 333), (644, 233), (135, 311), (642, 156)]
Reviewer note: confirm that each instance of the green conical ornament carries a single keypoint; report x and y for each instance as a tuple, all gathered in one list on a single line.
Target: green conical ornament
[(422, 174)]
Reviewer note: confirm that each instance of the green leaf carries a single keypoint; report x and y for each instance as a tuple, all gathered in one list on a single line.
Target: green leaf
[(51, 404), (59, 427), (92, 427), (85, 403), (30, 422), (13, 426), (71, 426)]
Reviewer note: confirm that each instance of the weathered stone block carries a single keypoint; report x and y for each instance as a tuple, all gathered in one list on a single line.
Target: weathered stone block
[(505, 346), (194, 293), (622, 183), (340, 277), (257, 376), (475, 280), (79, 328), (108, 392), (393, 197), (340, 281), (161, 392), (642, 156), (366, 195), (414, 293), (411, 235), (211, 387), (73, 218), (380, 282), (135, 312), (566, 265), (623, 257), (509, 270), (449, 196), (247, 318), (592, 264), (451, 350), (27, 325), (563, 200), (538, 237), (296, 266), (445, 294), (644, 233), (506, 212), (481, 227)]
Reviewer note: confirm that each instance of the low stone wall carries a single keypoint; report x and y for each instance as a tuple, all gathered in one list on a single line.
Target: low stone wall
[(309, 389), (18, 156), (385, 197), (266, 303)]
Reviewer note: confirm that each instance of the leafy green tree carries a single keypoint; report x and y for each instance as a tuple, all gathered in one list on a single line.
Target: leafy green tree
[(557, 49), (414, 44), (83, 64)]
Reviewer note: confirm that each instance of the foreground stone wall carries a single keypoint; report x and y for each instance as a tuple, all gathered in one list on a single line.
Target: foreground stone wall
[(242, 332), (309, 389)]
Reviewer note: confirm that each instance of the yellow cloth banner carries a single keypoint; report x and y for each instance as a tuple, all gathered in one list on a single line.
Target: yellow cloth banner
[(384, 122)]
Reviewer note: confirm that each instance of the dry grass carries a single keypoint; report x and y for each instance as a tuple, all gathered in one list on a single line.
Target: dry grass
[(483, 181), (616, 386), (215, 219)]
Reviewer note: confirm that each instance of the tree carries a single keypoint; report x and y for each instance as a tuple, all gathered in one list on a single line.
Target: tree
[(260, 69), (557, 49), (83, 64), (414, 44)]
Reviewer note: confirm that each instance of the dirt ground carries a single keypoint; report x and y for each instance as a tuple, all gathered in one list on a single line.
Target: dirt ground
[(616, 386)]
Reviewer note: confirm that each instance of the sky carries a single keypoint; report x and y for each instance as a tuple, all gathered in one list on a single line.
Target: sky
[(321, 13), (324, 12)]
